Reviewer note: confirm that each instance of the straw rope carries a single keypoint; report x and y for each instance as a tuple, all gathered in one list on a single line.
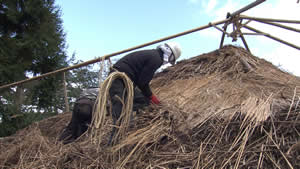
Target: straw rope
[(100, 109)]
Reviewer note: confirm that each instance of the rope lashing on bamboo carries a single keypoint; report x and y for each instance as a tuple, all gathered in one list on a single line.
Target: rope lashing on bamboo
[(100, 109)]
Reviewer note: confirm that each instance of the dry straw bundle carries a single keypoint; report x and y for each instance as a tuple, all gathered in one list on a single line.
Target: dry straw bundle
[(100, 109), (224, 109)]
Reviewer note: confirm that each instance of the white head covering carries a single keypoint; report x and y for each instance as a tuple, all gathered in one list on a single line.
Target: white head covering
[(167, 52)]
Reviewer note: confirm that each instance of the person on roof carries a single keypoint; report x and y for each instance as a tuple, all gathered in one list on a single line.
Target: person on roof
[(140, 67)]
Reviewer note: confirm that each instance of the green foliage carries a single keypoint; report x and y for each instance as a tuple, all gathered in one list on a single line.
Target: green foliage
[(11, 120), (79, 79), (41, 96), (32, 38), (14, 123), (32, 42)]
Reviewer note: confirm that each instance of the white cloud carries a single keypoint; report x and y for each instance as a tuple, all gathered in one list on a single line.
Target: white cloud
[(211, 32), (285, 56), (193, 1), (278, 10), (229, 6), (211, 6)]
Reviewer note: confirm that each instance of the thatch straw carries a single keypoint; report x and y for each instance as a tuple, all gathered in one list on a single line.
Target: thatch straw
[(224, 109)]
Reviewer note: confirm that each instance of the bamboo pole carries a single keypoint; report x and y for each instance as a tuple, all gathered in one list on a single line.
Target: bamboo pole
[(280, 25), (239, 26), (221, 30), (245, 43), (269, 19), (112, 54), (254, 33), (253, 4), (273, 37), (223, 36), (67, 107)]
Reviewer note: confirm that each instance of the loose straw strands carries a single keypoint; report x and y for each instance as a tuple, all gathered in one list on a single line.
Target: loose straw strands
[(251, 121), (140, 139)]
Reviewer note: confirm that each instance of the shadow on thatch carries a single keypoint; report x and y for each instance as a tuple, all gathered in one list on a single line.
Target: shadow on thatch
[(224, 109)]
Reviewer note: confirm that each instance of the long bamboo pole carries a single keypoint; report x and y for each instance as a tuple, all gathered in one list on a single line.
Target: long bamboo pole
[(280, 25), (113, 54), (67, 107), (269, 19), (242, 36), (272, 37), (245, 43), (223, 36), (253, 4)]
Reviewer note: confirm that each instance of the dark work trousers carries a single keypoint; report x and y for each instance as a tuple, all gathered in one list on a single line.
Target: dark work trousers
[(83, 108), (118, 94), (81, 118)]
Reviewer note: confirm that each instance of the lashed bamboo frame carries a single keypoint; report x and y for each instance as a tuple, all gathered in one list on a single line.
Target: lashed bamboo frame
[(273, 22), (235, 18), (99, 59)]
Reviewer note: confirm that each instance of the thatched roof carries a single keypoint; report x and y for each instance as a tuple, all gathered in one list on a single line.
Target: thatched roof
[(223, 109), (225, 82)]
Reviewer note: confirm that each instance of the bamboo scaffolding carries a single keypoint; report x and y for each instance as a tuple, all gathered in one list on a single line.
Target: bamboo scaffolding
[(231, 19), (280, 25), (269, 19), (272, 37), (234, 14), (112, 54), (238, 26)]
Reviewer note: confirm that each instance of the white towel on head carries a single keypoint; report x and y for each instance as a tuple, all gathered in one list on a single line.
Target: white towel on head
[(167, 52)]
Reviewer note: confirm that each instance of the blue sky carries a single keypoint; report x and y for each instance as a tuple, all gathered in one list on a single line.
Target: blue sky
[(96, 27)]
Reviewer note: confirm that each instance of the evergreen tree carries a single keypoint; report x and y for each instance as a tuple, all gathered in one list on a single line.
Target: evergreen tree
[(32, 38), (32, 42)]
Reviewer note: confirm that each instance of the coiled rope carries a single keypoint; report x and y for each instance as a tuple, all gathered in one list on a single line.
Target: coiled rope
[(100, 109)]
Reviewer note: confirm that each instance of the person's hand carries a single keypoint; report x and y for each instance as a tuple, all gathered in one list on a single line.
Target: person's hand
[(154, 99)]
